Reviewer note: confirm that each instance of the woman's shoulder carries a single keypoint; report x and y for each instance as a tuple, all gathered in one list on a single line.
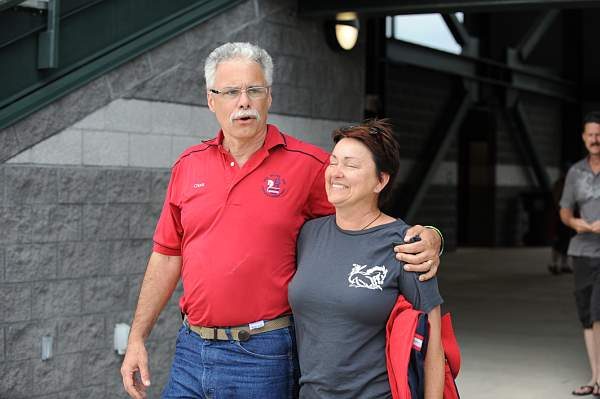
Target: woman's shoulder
[(396, 229), (315, 224)]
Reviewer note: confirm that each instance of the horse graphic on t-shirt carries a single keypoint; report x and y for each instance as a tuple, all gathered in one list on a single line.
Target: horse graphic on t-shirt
[(371, 278)]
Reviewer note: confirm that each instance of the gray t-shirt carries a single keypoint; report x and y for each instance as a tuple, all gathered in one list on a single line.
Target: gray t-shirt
[(582, 191), (345, 287)]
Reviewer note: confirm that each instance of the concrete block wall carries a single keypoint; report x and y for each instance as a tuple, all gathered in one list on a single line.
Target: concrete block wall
[(82, 182), (74, 245)]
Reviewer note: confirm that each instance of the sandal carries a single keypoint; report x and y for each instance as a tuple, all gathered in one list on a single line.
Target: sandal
[(596, 391), (585, 390)]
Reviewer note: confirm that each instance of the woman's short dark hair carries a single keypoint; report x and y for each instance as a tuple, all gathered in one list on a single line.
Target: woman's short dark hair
[(378, 137)]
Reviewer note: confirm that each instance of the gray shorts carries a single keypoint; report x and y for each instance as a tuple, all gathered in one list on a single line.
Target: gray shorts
[(587, 289)]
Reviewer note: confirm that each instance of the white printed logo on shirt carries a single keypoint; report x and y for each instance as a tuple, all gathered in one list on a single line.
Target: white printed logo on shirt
[(370, 278)]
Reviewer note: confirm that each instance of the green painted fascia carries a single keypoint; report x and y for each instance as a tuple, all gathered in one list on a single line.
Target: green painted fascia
[(110, 58), (6, 4)]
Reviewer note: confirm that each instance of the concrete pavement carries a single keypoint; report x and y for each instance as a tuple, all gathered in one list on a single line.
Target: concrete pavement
[(516, 324)]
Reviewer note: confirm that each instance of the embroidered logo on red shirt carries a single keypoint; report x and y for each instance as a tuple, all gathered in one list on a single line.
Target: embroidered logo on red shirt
[(273, 186)]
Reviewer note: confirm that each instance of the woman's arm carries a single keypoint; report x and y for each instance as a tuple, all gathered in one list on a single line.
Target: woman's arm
[(434, 360)]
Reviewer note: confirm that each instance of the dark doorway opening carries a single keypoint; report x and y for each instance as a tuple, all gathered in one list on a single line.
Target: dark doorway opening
[(476, 179)]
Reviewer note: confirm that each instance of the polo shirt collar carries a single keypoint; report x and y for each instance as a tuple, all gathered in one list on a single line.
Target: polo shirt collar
[(273, 138)]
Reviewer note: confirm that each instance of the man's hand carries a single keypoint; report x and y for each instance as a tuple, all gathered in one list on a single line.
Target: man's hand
[(160, 280), (580, 225), (136, 360), (421, 256), (595, 227)]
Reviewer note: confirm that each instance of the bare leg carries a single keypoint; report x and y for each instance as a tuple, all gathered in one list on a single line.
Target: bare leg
[(590, 345), (588, 337), (596, 338)]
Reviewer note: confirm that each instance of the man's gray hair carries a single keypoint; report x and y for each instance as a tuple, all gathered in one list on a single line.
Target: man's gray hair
[(230, 51)]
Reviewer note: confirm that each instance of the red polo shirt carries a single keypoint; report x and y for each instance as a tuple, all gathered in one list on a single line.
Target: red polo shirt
[(236, 228)]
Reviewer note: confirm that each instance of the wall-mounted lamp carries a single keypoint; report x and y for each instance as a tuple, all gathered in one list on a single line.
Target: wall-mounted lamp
[(342, 33)]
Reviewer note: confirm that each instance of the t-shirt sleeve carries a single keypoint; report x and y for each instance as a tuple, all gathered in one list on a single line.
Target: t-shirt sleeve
[(423, 295), (567, 199), (168, 233), (317, 204)]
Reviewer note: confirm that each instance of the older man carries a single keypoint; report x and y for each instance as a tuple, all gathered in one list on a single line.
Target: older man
[(228, 228), (582, 192)]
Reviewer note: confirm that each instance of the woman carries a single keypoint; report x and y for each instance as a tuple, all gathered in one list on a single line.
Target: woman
[(348, 279)]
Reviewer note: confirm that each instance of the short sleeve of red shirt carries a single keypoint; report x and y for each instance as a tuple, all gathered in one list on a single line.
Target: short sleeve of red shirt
[(168, 234), (317, 204)]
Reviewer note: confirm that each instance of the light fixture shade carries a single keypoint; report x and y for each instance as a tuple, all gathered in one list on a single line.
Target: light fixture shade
[(346, 29)]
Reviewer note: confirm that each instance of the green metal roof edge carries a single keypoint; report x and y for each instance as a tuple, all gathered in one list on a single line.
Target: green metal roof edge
[(106, 62)]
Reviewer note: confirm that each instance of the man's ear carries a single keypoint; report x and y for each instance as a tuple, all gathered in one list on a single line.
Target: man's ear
[(269, 100), (210, 100)]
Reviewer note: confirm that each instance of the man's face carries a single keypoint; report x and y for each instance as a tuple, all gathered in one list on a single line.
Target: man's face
[(241, 117), (591, 138)]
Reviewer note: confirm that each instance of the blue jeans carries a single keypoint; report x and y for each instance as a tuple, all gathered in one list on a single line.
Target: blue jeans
[(265, 366)]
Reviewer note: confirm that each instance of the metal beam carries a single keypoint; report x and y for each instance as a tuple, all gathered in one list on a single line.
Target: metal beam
[(35, 4), (481, 70), (6, 4), (49, 39), (458, 30), (396, 7), (522, 137), (533, 37), (438, 143)]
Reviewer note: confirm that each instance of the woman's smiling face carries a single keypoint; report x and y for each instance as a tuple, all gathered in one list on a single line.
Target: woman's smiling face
[(351, 176)]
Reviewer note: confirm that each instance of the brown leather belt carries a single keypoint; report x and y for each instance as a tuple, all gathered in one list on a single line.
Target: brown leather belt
[(241, 333)]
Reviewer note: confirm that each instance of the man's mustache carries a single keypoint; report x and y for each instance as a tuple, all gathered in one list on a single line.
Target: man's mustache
[(244, 113)]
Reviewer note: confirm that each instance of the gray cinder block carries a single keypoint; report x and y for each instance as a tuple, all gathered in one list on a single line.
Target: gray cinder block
[(16, 380), (128, 186), (83, 259), (15, 303), (105, 294), (56, 298), (81, 185), (51, 223), (30, 262), (105, 222), (81, 334), (31, 185), (57, 374)]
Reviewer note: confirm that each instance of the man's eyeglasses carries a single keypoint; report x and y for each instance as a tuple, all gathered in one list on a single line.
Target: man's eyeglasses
[(233, 93)]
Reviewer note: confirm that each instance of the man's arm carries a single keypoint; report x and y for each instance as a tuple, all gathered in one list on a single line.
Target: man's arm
[(160, 280), (421, 256), (577, 224)]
